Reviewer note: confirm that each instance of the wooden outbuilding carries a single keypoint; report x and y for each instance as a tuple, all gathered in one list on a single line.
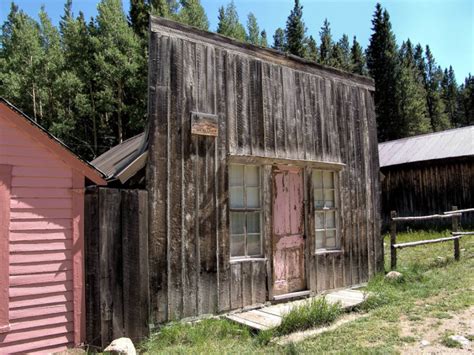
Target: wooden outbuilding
[(42, 183), (262, 175), (428, 174)]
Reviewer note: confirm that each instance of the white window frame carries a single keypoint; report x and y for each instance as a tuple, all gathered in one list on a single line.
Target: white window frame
[(324, 209), (246, 210)]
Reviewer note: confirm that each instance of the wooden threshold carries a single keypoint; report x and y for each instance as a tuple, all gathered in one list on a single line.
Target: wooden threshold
[(292, 295)]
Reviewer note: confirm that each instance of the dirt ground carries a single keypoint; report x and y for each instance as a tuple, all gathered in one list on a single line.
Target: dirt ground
[(434, 329)]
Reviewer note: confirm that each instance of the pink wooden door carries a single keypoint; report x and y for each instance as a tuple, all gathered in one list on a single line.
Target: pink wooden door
[(288, 231)]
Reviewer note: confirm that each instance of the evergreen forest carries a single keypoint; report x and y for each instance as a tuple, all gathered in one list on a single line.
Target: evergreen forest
[(85, 80)]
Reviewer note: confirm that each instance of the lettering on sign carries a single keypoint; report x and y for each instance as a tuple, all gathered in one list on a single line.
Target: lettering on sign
[(204, 124)]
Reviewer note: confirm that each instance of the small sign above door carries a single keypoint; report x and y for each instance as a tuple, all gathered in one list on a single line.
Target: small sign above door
[(204, 124)]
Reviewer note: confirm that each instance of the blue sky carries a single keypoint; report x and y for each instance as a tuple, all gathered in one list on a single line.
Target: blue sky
[(446, 25)]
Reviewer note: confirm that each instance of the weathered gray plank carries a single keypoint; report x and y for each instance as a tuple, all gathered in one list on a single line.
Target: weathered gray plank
[(135, 263), (157, 175), (236, 286), (92, 267), (258, 280), (191, 268), (111, 259), (246, 283)]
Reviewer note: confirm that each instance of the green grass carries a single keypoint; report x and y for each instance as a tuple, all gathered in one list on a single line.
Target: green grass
[(450, 343), (314, 313), (433, 286)]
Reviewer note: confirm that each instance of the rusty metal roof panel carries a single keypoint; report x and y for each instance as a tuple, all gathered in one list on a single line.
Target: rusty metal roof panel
[(118, 158), (439, 145)]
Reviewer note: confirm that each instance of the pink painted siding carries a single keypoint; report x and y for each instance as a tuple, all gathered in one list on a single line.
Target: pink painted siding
[(45, 267)]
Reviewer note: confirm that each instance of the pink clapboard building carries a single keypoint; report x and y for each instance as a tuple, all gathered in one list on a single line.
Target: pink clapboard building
[(42, 183)]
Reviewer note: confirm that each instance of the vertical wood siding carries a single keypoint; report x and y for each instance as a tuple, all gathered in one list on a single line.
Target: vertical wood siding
[(264, 109), (427, 188), (41, 271)]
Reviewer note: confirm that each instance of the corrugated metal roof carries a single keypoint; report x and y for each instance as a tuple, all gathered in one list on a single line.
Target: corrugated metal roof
[(440, 145), (118, 158)]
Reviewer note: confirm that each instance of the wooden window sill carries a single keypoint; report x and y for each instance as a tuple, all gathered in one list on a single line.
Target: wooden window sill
[(322, 252), (241, 260)]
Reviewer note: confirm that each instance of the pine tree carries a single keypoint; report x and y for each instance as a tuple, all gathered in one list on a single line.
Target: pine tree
[(420, 63), (279, 40), (357, 58), (295, 31), (326, 47), (412, 114), (192, 13), (138, 16), (162, 8), (436, 109), (119, 60), (383, 65), (466, 102), (21, 61), (52, 63), (263, 39), (253, 31), (229, 24), (340, 56), (311, 52), (449, 95)]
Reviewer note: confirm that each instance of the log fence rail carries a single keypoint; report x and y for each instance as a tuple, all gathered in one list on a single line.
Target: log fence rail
[(455, 216)]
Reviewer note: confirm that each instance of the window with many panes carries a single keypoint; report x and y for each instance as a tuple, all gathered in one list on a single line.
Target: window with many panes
[(325, 209), (245, 211)]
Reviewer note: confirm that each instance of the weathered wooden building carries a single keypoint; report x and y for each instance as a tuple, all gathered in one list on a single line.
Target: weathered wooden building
[(428, 174), (262, 175), (42, 183)]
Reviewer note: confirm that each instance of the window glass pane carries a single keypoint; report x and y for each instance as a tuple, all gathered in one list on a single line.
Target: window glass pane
[(236, 175), (253, 222), (237, 222), (329, 197), (328, 180), (331, 219), (251, 175), (237, 197), (330, 239), (319, 240), (318, 199), (253, 245), (320, 220), (317, 179), (237, 245), (330, 243), (253, 197)]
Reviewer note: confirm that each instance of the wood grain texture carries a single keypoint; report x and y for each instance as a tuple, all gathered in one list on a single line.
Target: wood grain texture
[(429, 188), (117, 273), (270, 109)]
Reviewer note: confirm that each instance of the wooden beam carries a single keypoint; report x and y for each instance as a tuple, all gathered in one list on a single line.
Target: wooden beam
[(261, 160), (423, 218), (459, 211), (393, 241), (423, 242), (455, 228), (164, 26), (461, 233)]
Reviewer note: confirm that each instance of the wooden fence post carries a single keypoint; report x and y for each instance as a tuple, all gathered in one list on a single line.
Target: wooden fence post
[(455, 222), (393, 240)]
